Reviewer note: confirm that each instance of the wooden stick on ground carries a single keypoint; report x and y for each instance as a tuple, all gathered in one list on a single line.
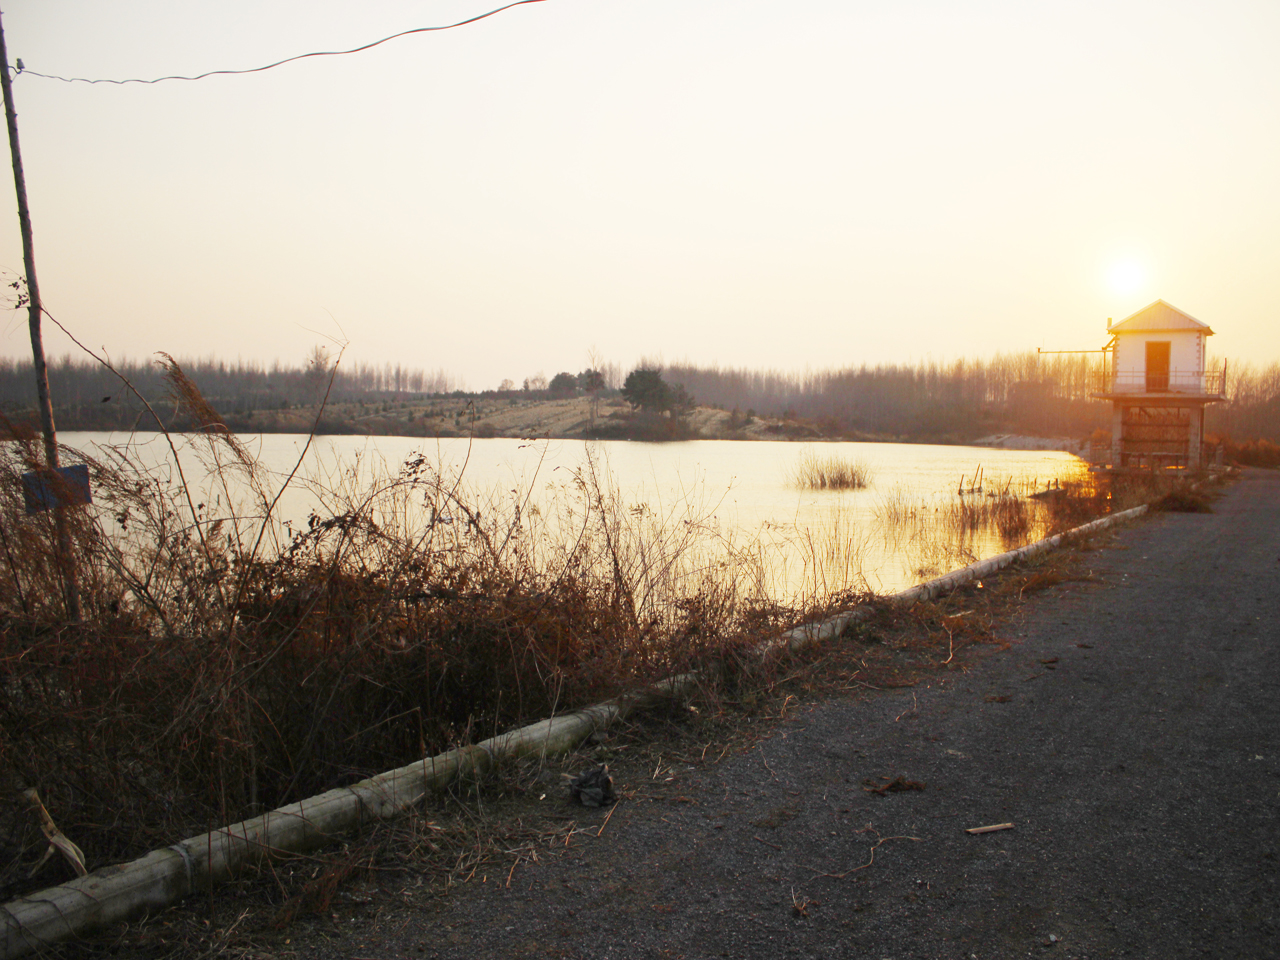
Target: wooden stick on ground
[(57, 840)]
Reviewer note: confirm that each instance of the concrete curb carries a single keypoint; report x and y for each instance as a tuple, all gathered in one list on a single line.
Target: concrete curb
[(115, 893)]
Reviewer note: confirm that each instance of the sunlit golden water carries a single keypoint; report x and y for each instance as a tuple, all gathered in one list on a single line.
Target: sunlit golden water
[(738, 495)]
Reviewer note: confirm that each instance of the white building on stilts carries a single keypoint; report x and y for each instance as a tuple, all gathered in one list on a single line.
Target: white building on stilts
[(1155, 376)]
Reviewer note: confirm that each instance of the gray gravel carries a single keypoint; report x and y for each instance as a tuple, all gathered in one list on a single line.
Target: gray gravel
[(1141, 771)]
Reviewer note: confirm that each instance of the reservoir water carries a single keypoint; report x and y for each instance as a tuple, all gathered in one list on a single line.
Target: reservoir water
[(741, 494)]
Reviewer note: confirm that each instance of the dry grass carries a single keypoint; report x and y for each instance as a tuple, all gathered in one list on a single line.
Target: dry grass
[(831, 472), (1183, 501), (949, 530), (1008, 514)]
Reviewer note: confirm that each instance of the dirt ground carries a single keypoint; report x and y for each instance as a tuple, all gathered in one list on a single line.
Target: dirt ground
[(503, 417), (1128, 728)]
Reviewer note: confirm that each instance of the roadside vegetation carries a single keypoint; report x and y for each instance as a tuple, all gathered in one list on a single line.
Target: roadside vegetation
[(1251, 453)]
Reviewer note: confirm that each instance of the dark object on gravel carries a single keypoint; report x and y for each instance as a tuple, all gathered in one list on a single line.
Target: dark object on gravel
[(1183, 501), (899, 785), (593, 788)]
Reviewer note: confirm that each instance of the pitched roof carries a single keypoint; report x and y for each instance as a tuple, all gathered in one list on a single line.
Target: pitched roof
[(1159, 316)]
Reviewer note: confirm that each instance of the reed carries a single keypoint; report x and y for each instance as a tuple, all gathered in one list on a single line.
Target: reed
[(950, 531), (1009, 515), (898, 509), (812, 566), (831, 472)]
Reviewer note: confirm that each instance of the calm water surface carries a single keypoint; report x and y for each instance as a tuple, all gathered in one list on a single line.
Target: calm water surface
[(742, 490)]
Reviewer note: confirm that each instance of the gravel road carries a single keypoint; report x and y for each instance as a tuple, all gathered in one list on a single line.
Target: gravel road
[(1130, 733)]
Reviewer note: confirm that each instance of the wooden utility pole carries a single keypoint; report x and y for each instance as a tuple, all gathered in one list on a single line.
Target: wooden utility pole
[(34, 311)]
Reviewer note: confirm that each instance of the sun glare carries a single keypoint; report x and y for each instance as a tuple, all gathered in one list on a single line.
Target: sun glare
[(1126, 276)]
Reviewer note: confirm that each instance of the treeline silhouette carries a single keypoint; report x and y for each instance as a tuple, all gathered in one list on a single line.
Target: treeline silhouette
[(88, 396), (1254, 410), (1009, 393), (1038, 394)]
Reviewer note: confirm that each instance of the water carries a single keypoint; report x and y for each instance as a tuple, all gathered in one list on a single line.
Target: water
[(740, 493)]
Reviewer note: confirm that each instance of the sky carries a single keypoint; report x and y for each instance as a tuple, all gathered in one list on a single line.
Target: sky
[(778, 186)]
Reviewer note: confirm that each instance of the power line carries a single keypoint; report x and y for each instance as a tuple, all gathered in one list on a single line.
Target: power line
[(278, 63)]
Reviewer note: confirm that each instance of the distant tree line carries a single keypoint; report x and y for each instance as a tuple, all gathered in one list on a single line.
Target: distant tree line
[(96, 397), (961, 400), (1009, 393), (1041, 394), (1254, 410)]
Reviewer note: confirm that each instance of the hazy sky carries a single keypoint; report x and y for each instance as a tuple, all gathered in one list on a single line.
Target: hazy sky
[(781, 185)]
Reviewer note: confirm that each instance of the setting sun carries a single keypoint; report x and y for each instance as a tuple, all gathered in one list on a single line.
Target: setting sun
[(1126, 276)]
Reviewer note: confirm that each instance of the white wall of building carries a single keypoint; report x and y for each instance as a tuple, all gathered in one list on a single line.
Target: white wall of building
[(1186, 360)]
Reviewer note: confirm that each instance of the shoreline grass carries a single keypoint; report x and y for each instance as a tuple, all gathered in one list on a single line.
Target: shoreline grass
[(948, 532)]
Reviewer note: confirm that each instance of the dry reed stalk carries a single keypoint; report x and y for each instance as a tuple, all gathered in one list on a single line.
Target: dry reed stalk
[(832, 472)]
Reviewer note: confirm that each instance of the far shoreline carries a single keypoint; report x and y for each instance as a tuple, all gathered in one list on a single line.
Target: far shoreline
[(524, 419)]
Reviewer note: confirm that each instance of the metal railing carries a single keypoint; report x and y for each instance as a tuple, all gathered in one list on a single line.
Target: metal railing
[(1201, 383)]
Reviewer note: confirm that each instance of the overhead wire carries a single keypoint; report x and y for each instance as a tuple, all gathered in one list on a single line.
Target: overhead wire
[(21, 69)]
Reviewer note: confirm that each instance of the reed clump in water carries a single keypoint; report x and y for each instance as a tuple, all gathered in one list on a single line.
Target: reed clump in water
[(831, 472), (1008, 514), (947, 532)]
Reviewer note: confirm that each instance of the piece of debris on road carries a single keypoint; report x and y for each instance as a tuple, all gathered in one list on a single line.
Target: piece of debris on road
[(991, 829), (899, 784), (594, 788)]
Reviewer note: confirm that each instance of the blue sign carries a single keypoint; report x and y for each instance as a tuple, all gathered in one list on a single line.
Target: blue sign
[(64, 487)]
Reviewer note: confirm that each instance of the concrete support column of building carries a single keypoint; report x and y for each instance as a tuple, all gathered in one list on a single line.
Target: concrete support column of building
[(1117, 433), (1195, 430)]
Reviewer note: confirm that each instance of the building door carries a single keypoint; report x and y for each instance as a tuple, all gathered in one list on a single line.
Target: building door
[(1157, 366)]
